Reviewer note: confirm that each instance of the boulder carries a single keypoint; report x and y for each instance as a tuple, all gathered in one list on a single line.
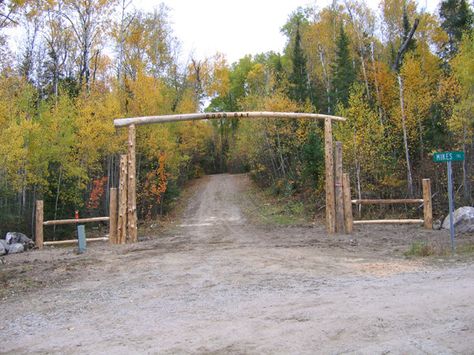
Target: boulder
[(3, 250), (16, 248), (4, 244), (16, 237), (463, 220)]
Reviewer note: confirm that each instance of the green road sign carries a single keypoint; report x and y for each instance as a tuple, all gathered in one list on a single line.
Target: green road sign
[(448, 156)]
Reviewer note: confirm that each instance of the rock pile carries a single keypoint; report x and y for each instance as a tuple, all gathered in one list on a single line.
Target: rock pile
[(15, 242)]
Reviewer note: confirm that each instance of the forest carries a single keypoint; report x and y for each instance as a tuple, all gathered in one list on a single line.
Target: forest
[(82, 63)]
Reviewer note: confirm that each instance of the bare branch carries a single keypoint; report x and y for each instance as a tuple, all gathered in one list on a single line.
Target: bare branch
[(404, 46)]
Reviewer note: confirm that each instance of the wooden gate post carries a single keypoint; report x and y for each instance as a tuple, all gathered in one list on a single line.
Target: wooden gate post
[(338, 189), (113, 216), (122, 211), (329, 167), (132, 186), (427, 204), (39, 217), (348, 219)]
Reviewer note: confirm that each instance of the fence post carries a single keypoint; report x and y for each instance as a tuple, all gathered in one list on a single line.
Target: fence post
[(113, 216), (427, 204), (122, 211), (39, 216), (338, 189), (348, 219), (131, 188), (329, 167)]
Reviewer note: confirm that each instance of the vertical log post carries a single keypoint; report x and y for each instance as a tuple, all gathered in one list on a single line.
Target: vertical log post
[(329, 167), (132, 186), (348, 219), (427, 204), (122, 208), (338, 189), (39, 217), (113, 216)]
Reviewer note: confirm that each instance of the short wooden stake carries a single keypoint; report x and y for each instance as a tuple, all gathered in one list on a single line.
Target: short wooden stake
[(113, 216), (132, 227), (348, 218), (39, 216), (338, 189), (122, 205), (427, 204), (329, 168)]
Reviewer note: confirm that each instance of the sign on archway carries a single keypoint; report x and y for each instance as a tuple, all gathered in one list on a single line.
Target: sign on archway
[(127, 211)]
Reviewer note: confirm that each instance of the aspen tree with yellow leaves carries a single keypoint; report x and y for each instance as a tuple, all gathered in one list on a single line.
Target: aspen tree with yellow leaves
[(401, 75)]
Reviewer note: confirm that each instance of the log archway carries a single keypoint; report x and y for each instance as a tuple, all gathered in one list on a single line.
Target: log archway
[(127, 214)]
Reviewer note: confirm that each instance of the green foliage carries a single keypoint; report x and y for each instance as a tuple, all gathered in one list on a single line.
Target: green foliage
[(343, 71), (313, 158), (420, 249), (457, 18), (298, 79)]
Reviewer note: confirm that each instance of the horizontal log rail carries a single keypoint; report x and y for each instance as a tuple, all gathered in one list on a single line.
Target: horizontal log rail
[(387, 202), (111, 219), (425, 202), (76, 220), (122, 122), (75, 241), (390, 221)]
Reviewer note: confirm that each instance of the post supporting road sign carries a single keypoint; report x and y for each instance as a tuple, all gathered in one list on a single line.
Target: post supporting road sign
[(451, 205), (449, 157)]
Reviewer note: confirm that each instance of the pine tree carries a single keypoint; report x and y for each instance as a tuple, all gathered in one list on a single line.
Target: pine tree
[(457, 17), (299, 88), (343, 71)]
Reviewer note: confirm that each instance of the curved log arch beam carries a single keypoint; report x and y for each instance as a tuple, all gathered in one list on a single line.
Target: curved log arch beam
[(123, 122), (329, 162)]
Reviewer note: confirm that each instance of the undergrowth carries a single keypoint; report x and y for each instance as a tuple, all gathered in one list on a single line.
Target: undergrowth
[(425, 249), (420, 249), (268, 208)]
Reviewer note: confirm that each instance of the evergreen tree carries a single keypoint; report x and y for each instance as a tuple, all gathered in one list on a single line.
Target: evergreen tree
[(343, 71), (299, 88), (457, 17), (278, 72)]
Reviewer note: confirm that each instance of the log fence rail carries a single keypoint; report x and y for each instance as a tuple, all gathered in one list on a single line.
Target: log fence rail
[(426, 201), (40, 223)]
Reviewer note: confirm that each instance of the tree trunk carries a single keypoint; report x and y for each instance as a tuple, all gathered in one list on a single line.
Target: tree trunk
[(58, 189), (465, 168), (327, 81), (405, 139), (376, 82)]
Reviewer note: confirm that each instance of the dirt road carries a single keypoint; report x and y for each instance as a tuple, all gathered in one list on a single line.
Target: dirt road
[(216, 283)]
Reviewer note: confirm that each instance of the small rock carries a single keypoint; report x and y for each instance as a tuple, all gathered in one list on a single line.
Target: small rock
[(16, 248), (463, 220), (437, 224), (353, 242), (3, 251)]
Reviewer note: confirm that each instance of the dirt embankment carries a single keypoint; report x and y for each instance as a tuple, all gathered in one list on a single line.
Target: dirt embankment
[(214, 282)]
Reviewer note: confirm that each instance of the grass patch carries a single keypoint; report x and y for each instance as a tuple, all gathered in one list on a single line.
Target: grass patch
[(266, 208), (467, 248), (424, 249), (421, 249)]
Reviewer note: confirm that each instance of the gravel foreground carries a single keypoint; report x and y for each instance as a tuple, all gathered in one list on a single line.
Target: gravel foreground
[(217, 283)]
